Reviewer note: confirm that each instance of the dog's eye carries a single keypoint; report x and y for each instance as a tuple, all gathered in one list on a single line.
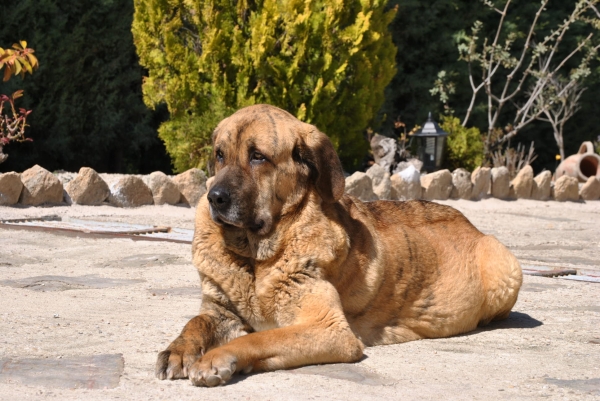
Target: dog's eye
[(219, 155), (257, 156)]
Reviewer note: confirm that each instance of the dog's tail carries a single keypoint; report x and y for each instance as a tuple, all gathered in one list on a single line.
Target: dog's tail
[(501, 277)]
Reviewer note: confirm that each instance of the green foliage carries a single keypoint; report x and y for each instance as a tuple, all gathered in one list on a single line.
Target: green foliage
[(326, 62), (464, 145), (86, 94)]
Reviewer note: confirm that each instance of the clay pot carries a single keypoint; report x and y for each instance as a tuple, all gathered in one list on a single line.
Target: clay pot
[(582, 165)]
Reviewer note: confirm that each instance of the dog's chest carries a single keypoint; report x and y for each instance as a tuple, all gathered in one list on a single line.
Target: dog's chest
[(264, 325), (251, 299)]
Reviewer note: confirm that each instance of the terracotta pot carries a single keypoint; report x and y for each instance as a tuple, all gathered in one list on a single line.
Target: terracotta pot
[(582, 165)]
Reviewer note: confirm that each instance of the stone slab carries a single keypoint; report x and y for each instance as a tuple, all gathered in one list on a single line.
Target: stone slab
[(63, 283), (77, 372), (591, 386)]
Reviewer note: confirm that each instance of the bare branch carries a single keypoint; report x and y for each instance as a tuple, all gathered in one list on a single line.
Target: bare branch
[(590, 5)]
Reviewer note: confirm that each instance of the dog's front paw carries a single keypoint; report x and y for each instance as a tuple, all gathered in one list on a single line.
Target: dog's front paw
[(175, 361), (215, 368)]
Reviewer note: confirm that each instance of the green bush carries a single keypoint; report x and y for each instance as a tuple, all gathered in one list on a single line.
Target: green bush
[(325, 62), (464, 145)]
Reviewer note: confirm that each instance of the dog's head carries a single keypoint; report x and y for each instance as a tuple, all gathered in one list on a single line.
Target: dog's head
[(266, 163)]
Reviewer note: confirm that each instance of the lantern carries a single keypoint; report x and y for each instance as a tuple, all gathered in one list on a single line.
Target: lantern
[(430, 147)]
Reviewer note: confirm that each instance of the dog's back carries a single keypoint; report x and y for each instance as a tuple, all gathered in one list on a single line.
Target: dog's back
[(432, 273)]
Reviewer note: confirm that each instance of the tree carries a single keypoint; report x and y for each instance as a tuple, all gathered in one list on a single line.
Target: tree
[(506, 62), (86, 95), (326, 62), (423, 32), (558, 103)]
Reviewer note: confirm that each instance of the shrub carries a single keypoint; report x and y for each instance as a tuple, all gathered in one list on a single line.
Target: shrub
[(327, 63), (464, 145)]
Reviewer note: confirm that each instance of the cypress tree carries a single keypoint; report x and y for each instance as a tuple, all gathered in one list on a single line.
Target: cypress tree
[(326, 62)]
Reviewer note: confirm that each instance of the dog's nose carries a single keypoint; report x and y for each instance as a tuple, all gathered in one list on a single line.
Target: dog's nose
[(219, 198)]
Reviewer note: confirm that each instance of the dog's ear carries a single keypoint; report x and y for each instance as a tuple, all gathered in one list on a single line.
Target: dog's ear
[(316, 150)]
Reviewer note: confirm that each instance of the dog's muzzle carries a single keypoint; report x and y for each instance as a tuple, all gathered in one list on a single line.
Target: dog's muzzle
[(219, 200), (225, 212)]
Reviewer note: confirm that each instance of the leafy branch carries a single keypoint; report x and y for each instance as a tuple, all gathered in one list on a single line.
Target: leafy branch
[(16, 61)]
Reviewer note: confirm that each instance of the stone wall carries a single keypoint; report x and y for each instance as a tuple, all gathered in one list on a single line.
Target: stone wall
[(38, 186), (480, 184)]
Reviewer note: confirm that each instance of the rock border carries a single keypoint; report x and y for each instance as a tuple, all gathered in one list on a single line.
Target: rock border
[(480, 184), (90, 188)]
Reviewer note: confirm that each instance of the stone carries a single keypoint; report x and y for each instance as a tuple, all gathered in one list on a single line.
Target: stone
[(542, 188), (584, 386), (88, 188), (384, 151), (416, 163), (40, 186), (591, 189), (360, 186), (10, 188), (192, 185), (461, 184), (86, 372), (566, 189), (63, 283), (164, 190), (380, 178), (130, 191), (482, 183), (406, 185), (437, 186), (522, 184), (500, 182)]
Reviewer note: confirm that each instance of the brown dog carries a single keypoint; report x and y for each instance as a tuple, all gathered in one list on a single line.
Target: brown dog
[(294, 272)]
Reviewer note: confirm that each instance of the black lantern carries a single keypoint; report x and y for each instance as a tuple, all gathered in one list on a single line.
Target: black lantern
[(431, 140)]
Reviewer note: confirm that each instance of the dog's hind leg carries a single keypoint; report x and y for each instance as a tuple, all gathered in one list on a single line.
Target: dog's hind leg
[(501, 278)]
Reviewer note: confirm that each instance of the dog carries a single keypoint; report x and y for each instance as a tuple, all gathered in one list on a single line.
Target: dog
[(295, 272)]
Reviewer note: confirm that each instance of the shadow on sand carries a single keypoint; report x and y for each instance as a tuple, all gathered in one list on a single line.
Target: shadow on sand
[(516, 320)]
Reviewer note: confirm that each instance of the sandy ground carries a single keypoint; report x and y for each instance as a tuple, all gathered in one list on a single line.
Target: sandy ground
[(65, 301)]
